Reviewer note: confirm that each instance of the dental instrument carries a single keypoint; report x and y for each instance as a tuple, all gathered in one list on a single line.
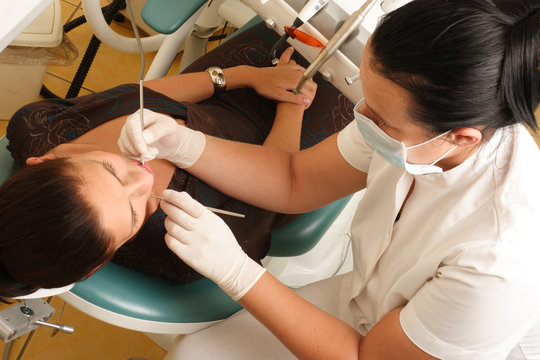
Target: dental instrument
[(141, 101), (219, 211), (307, 12), (352, 23), (141, 72)]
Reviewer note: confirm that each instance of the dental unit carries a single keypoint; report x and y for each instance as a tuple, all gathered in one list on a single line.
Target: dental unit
[(308, 11), (352, 23)]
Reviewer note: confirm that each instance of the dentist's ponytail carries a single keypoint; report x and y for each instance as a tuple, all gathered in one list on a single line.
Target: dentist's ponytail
[(466, 63), (520, 76)]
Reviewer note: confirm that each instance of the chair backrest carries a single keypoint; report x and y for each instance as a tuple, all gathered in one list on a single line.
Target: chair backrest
[(7, 164)]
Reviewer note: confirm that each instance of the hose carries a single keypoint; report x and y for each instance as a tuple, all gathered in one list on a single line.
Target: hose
[(109, 13)]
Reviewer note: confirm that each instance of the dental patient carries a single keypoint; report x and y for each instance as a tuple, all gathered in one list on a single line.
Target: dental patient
[(77, 203)]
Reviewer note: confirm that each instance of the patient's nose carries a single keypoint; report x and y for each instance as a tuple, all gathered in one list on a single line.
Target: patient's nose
[(139, 182)]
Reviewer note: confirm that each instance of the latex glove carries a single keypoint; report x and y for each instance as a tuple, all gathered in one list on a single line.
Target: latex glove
[(205, 242), (162, 138)]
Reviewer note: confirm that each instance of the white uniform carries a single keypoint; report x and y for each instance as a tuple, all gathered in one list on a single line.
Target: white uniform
[(464, 259), (464, 256)]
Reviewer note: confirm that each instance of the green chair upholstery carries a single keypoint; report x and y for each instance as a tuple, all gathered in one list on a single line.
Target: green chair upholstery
[(166, 16)]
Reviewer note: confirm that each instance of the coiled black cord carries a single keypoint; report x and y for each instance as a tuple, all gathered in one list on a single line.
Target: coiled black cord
[(109, 13)]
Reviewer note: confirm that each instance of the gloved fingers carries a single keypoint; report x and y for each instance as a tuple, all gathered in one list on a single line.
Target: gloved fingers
[(131, 142), (177, 221), (158, 126), (185, 202), (175, 245)]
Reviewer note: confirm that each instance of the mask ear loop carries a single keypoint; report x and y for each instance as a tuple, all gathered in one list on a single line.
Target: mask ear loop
[(430, 140), (444, 155)]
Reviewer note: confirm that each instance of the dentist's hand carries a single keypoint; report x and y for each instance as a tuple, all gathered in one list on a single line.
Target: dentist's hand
[(205, 242), (162, 138)]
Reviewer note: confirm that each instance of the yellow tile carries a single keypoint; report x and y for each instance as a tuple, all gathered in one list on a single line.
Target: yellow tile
[(59, 86), (109, 67), (3, 126)]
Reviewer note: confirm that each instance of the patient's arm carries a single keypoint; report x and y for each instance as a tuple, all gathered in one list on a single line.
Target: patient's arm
[(272, 82), (287, 126)]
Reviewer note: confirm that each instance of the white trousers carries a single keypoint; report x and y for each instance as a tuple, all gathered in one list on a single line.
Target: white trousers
[(242, 337)]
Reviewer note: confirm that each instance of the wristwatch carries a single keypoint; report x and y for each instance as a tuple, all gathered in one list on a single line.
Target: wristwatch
[(218, 78)]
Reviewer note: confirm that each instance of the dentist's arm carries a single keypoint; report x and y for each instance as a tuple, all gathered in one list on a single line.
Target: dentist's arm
[(204, 242)]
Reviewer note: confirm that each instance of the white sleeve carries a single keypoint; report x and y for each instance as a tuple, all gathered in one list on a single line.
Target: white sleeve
[(471, 310), (354, 148)]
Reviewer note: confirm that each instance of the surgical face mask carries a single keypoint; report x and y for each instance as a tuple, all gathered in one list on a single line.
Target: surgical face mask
[(391, 150)]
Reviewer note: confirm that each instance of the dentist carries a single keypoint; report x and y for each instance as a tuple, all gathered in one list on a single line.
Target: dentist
[(445, 239)]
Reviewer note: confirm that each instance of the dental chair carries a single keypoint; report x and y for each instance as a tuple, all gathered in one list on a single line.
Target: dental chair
[(174, 21), (136, 301)]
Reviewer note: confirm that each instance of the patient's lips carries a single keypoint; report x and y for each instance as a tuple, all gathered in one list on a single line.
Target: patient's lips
[(147, 168)]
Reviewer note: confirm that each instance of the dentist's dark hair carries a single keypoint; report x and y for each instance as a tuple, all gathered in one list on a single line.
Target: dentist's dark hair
[(49, 235), (466, 63)]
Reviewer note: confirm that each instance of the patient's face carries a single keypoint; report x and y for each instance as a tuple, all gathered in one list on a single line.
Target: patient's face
[(118, 188)]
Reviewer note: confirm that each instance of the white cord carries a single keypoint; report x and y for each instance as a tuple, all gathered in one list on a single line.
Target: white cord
[(139, 44)]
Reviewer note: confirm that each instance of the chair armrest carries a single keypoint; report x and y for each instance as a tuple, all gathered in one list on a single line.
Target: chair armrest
[(301, 235), (7, 163)]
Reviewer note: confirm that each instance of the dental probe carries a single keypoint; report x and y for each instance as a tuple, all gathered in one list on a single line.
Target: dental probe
[(219, 211), (141, 73), (352, 23), (142, 110)]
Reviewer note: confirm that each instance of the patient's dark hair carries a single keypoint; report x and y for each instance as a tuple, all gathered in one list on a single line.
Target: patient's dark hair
[(466, 63), (49, 235)]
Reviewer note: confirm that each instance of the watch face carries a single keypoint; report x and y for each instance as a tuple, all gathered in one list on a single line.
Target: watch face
[(218, 78)]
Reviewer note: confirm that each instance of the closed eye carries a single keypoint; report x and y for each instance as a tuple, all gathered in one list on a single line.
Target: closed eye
[(134, 217), (109, 166)]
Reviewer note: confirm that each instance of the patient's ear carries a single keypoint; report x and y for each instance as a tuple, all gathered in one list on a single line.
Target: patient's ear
[(41, 159)]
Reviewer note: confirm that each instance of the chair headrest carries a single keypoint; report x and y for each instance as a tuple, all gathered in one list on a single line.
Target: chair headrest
[(41, 293)]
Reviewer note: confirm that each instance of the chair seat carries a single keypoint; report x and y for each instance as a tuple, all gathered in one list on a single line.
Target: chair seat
[(166, 16)]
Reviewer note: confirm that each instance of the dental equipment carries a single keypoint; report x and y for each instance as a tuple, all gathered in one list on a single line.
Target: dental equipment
[(27, 316), (141, 101), (307, 12), (391, 5), (141, 72), (352, 23), (219, 211)]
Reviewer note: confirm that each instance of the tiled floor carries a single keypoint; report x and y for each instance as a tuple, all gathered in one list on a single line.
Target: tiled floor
[(92, 339)]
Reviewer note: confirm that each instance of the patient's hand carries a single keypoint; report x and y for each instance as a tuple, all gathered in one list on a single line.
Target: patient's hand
[(278, 82)]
